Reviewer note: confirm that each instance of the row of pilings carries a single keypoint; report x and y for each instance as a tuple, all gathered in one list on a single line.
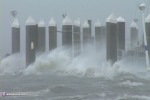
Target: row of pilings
[(72, 37)]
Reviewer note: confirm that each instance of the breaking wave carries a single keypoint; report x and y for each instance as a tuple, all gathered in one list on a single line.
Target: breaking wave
[(11, 64), (59, 61)]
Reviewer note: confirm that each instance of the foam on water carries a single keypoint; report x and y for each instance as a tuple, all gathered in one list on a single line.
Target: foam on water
[(133, 97), (128, 83)]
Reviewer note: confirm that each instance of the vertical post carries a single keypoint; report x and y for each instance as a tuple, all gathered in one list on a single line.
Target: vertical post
[(120, 36), (111, 26), (15, 36), (90, 26), (146, 26), (67, 30), (142, 7), (92, 41), (86, 34), (133, 34), (41, 37), (98, 31), (103, 33), (77, 38), (92, 36), (52, 34), (31, 37)]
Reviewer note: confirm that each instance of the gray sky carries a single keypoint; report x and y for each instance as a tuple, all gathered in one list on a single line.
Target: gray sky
[(85, 9)]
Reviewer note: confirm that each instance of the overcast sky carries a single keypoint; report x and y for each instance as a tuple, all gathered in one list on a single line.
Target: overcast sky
[(85, 9)]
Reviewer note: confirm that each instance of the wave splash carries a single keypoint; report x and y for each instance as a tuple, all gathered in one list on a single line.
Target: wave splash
[(11, 64), (60, 62)]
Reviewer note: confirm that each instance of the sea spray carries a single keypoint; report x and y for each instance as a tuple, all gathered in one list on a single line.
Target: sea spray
[(44, 64), (137, 70), (60, 62), (11, 64)]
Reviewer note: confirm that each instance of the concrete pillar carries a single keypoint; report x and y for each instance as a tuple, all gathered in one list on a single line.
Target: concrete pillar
[(111, 26), (103, 33), (41, 37), (90, 26), (77, 37), (120, 36), (98, 41), (133, 34), (15, 36), (92, 41), (52, 34), (86, 33), (147, 26), (67, 33), (31, 40), (92, 37)]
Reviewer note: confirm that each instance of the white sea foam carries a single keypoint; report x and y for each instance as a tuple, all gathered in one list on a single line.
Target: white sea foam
[(133, 97), (131, 84), (60, 62), (50, 62), (11, 64)]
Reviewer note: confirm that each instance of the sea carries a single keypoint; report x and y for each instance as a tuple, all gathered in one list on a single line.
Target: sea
[(58, 76)]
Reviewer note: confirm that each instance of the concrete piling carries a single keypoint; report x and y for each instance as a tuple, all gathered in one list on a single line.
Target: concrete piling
[(133, 34), (86, 33), (147, 26), (111, 26), (31, 40), (67, 33), (15, 36), (98, 34), (120, 37), (77, 38), (41, 37), (52, 34)]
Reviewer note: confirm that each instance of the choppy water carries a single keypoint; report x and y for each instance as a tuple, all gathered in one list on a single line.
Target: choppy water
[(54, 87), (56, 76)]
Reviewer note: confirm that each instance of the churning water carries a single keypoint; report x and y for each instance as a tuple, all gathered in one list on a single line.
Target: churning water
[(57, 76)]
